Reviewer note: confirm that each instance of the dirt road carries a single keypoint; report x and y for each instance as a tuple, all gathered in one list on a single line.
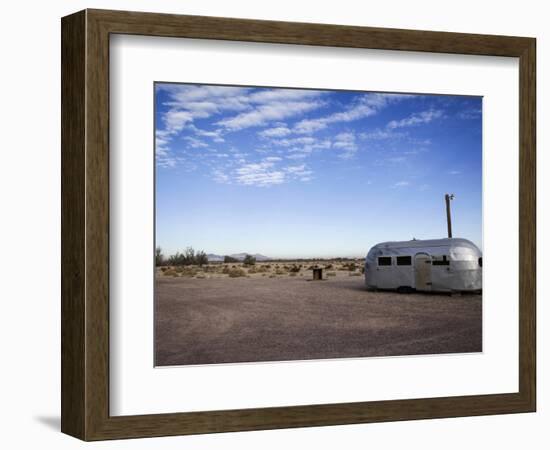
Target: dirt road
[(204, 321)]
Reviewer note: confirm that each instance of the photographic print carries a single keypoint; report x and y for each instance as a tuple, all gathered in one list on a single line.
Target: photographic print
[(307, 224)]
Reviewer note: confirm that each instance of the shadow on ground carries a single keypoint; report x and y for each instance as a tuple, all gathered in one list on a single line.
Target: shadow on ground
[(52, 422)]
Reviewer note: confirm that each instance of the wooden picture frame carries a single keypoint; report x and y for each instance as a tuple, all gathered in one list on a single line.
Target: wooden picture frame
[(85, 224)]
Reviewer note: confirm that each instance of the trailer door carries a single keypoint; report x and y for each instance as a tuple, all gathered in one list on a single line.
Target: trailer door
[(423, 272)]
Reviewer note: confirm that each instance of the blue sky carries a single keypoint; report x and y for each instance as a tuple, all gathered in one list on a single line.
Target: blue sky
[(312, 173)]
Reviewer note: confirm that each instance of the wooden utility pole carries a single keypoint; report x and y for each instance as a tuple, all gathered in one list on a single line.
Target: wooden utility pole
[(448, 199)]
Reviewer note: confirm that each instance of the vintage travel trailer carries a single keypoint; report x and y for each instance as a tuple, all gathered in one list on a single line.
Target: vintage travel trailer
[(440, 265)]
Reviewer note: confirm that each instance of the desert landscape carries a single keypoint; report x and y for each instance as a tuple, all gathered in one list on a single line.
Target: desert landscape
[(275, 311), (306, 179)]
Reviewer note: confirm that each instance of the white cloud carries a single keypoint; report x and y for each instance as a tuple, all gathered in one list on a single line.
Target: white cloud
[(195, 143), (472, 113), (277, 95), (345, 141), (367, 105), (378, 135), (264, 113), (215, 135), (416, 119), (276, 132), (401, 184), (220, 177), (175, 120), (300, 170), (267, 172), (297, 156), (302, 146), (259, 174)]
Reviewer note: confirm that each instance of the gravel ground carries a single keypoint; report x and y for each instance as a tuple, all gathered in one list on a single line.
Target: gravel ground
[(223, 320)]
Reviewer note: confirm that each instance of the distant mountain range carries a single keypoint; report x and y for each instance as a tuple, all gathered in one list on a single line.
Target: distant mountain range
[(240, 256)]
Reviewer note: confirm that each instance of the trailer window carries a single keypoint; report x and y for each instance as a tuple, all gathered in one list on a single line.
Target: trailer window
[(384, 260), (480, 261), (403, 260), (440, 260)]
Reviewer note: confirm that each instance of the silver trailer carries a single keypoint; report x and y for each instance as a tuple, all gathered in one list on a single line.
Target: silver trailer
[(439, 265)]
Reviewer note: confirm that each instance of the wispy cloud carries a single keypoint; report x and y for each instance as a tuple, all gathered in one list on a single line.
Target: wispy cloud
[(265, 113), (195, 143), (416, 119), (469, 114), (366, 105), (275, 132), (400, 184), (379, 135), (259, 174), (346, 142), (269, 171)]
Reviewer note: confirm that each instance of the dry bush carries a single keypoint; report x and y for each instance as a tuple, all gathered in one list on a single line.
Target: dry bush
[(236, 272), (170, 273), (328, 266), (354, 274), (351, 266), (280, 271), (295, 268), (188, 271), (331, 274)]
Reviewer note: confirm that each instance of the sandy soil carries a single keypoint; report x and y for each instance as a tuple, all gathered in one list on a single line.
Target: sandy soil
[(217, 319)]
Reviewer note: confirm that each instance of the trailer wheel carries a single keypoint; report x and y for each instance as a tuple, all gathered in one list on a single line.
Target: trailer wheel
[(405, 290)]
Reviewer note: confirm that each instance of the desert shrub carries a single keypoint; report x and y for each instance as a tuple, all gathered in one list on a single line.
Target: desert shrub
[(331, 274), (159, 257), (272, 276), (201, 276), (295, 268), (236, 272), (280, 271), (189, 272), (253, 270), (229, 259), (188, 258), (226, 269), (267, 266), (164, 269), (170, 273), (249, 260), (292, 274), (201, 259), (328, 266), (354, 274)]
